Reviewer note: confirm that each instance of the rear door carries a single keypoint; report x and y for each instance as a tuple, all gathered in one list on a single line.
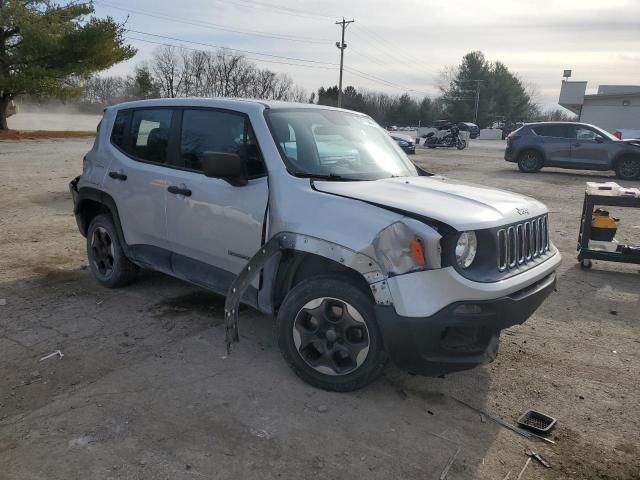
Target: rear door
[(555, 142), (216, 227), (589, 149), (137, 181)]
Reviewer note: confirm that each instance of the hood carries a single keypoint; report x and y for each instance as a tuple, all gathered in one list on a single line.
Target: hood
[(459, 205)]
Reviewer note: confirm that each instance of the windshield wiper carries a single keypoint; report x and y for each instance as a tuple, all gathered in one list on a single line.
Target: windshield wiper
[(323, 176)]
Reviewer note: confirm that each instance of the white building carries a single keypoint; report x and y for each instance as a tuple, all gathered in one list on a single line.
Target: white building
[(614, 107)]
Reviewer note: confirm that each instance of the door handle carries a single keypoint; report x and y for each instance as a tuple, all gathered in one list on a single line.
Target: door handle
[(179, 191), (118, 176)]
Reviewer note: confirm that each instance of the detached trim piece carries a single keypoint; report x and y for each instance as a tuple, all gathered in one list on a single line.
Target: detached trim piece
[(363, 264)]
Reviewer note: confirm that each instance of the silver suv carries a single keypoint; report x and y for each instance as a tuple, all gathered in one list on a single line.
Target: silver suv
[(572, 145), (315, 216)]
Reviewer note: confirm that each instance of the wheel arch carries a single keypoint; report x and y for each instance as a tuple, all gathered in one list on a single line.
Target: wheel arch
[(295, 266), (288, 258), (622, 155), (92, 202), (532, 148)]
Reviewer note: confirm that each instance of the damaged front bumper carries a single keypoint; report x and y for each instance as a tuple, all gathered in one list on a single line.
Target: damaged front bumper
[(461, 335)]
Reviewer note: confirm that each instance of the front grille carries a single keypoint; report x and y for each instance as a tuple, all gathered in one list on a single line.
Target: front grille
[(522, 243)]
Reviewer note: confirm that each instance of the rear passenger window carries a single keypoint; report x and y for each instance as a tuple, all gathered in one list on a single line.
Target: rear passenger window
[(211, 131), (556, 131), (149, 135)]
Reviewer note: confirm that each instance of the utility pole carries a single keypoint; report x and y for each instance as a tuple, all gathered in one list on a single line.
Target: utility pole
[(341, 46), (475, 115)]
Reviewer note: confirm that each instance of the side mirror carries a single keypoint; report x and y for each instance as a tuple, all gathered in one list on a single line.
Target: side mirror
[(599, 139), (228, 166)]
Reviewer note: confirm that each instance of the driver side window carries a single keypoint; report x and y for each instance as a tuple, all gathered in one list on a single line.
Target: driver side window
[(213, 131), (583, 133)]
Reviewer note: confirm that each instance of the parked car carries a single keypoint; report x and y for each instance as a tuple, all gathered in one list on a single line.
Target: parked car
[(574, 145), (361, 258), (472, 128), (405, 142), (509, 127), (627, 134)]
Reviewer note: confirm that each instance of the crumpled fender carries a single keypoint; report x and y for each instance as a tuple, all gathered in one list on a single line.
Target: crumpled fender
[(365, 265)]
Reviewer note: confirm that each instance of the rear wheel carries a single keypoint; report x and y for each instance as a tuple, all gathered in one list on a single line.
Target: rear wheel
[(328, 334), (628, 168), (529, 161), (107, 261)]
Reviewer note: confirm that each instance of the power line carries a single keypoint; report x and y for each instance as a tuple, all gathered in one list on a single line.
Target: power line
[(251, 52), (128, 37), (278, 8), (384, 45), (214, 26)]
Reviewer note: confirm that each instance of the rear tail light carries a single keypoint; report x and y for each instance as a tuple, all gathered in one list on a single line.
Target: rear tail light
[(618, 134), (511, 138)]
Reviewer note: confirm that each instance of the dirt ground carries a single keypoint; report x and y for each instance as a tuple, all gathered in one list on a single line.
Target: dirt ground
[(145, 390)]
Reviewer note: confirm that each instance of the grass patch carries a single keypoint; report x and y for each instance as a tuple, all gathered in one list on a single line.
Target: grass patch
[(18, 135)]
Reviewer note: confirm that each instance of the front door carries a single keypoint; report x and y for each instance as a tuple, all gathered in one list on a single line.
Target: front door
[(589, 149), (215, 227)]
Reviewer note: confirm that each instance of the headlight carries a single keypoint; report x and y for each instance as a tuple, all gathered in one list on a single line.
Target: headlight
[(466, 249), (403, 144)]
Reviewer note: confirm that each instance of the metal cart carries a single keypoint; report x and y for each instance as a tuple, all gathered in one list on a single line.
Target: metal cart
[(585, 254)]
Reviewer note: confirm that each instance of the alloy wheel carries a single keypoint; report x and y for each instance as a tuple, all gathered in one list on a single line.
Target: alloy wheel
[(331, 336), (629, 168), (530, 161), (102, 251)]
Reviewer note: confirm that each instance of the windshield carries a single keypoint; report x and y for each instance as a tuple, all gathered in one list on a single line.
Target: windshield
[(336, 145)]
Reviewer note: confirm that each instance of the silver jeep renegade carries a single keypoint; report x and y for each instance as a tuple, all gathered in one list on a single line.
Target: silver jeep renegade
[(315, 216)]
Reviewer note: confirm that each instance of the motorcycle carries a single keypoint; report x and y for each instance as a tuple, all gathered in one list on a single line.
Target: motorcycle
[(451, 139)]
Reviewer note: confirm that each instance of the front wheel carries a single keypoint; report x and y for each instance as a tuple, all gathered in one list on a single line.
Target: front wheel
[(628, 168), (461, 144), (327, 333)]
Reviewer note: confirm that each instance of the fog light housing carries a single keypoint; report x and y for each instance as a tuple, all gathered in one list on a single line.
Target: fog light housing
[(468, 309)]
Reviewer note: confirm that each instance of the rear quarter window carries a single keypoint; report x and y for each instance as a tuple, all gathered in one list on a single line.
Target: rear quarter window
[(120, 127)]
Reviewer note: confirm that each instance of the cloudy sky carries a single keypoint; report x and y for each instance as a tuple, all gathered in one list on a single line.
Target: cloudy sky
[(400, 46)]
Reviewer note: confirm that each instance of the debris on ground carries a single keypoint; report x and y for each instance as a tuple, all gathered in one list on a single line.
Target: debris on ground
[(526, 464), (3, 302), (53, 354), (538, 457), (505, 424), (537, 422), (444, 473)]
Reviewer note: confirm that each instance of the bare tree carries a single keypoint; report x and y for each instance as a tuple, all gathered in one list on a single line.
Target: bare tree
[(169, 71)]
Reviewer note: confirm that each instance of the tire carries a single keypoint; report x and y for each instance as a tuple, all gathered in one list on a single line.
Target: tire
[(529, 161), (328, 334), (628, 168), (461, 144), (586, 264), (107, 261)]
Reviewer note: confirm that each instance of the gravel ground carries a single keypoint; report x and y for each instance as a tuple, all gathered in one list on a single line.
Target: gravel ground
[(145, 390)]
